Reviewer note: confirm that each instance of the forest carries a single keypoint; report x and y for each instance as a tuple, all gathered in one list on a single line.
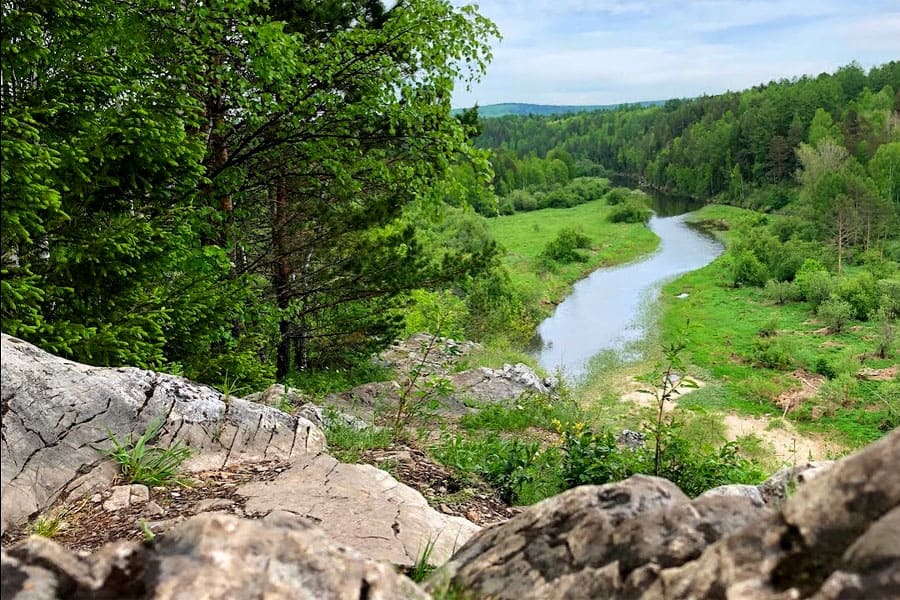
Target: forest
[(256, 191), (238, 191)]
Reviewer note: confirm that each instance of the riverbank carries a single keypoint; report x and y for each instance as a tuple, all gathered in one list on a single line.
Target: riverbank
[(761, 357), (525, 235)]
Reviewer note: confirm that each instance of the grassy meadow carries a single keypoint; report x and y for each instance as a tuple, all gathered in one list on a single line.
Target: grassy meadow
[(525, 235)]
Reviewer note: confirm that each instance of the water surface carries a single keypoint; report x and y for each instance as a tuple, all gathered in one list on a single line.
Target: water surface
[(606, 310)]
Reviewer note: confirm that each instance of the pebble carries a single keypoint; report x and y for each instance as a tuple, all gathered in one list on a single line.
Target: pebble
[(97, 498)]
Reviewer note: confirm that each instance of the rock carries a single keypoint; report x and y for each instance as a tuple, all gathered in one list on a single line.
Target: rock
[(362, 507), (785, 482), (633, 440), (123, 496), (210, 556), (58, 413), (497, 385), (834, 536), (152, 509), (750, 492), (558, 543), (278, 395), (211, 504), (409, 354), (827, 541)]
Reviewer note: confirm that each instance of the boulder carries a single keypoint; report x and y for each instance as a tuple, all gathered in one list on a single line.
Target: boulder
[(209, 556), (595, 541), (832, 536), (362, 507), (496, 385), (58, 415)]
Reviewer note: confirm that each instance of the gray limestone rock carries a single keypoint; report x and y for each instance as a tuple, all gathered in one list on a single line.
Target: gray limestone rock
[(58, 414), (362, 507), (211, 556)]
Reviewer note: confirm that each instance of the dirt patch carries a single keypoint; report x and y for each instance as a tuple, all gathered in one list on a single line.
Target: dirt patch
[(444, 491), (809, 386), (886, 374), (87, 525), (788, 445)]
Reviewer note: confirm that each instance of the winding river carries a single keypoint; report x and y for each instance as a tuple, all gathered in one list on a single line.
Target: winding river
[(607, 311)]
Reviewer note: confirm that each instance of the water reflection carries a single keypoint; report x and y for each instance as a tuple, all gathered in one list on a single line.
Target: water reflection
[(607, 310)]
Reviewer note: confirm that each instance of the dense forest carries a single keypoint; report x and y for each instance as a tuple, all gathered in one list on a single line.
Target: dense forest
[(255, 189), (742, 148), (234, 191)]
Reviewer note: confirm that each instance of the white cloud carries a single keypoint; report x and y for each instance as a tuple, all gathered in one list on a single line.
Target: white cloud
[(609, 51)]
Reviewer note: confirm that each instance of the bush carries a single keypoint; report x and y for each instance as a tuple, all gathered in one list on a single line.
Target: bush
[(594, 458), (835, 313), (779, 292), (860, 292), (564, 247), (633, 210), (745, 269), (617, 195), (889, 296), (814, 284), (772, 352)]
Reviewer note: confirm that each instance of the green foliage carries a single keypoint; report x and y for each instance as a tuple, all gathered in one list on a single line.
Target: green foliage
[(347, 442), (772, 352), (595, 458), (422, 568), (50, 524), (145, 464), (564, 247), (835, 313), (632, 210), (779, 292), (746, 269)]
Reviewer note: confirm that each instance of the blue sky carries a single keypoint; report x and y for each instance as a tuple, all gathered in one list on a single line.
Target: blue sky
[(613, 51)]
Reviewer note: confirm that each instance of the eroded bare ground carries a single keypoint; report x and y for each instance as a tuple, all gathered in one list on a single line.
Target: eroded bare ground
[(444, 491), (87, 524), (787, 444)]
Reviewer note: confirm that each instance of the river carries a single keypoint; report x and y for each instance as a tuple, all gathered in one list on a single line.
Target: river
[(608, 310)]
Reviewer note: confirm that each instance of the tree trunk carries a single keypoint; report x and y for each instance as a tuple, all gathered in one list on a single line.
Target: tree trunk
[(281, 277)]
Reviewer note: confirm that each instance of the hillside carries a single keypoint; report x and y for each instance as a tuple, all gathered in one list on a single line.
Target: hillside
[(503, 109)]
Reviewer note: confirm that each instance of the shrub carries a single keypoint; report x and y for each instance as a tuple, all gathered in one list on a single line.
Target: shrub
[(633, 210), (149, 465), (617, 195), (889, 296), (860, 292), (840, 390), (594, 458), (824, 367), (768, 329), (779, 292), (835, 313), (814, 284), (564, 247), (772, 352), (885, 331), (745, 269)]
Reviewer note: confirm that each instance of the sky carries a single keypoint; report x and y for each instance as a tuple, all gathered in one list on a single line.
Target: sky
[(616, 51)]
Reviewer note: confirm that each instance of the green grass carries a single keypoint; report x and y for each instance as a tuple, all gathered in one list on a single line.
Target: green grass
[(525, 235), (724, 332), (49, 525), (347, 443), (146, 464)]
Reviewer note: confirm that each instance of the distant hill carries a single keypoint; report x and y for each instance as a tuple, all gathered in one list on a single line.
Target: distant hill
[(519, 108)]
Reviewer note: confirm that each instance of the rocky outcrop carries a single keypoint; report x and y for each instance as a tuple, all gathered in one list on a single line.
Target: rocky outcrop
[(363, 507), (58, 415), (209, 556), (832, 536)]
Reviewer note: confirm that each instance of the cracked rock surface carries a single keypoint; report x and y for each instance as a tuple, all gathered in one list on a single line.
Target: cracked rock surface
[(834, 536), (57, 415), (210, 556), (360, 506)]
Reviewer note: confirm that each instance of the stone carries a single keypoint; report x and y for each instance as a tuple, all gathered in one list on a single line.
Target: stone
[(831, 536), (211, 556), (57, 415), (553, 545), (210, 504), (780, 485), (123, 496), (360, 506), (745, 491)]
